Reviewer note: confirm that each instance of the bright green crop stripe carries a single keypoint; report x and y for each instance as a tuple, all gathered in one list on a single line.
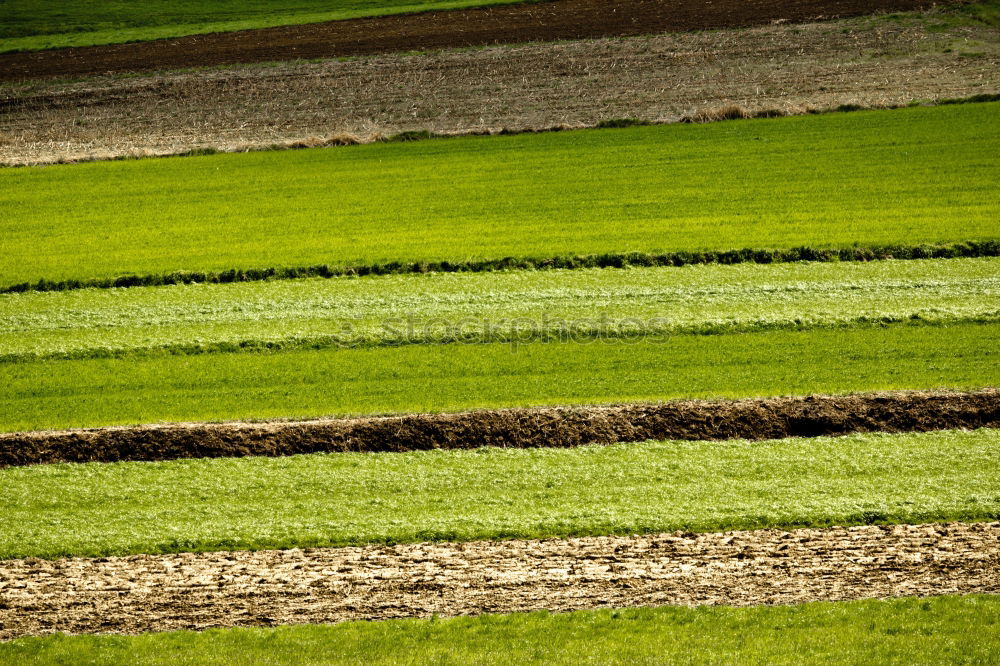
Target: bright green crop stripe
[(28, 25), (417, 378), (904, 176), (400, 309), (936, 630), (98, 509)]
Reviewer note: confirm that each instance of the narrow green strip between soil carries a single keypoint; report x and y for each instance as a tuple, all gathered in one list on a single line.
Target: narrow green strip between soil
[(98, 509), (433, 378), (934, 630), (873, 178)]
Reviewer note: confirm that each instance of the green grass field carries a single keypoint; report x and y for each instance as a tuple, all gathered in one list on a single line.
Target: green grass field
[(450, 341), (897, 631), (419, 378), (29, 25), (398, 309), (98, 509), (905, 176)]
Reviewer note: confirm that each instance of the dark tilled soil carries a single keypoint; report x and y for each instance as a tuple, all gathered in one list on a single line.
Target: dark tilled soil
[(199, 591), (534, 427), (787, 68), (560, 19)]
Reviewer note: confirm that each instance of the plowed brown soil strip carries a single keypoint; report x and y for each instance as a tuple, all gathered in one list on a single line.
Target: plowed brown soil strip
[(537, 427), (787, 68), (199, 591), (561, 19)]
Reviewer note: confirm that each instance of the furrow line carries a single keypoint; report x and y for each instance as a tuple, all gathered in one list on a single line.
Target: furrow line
[(758, 419), (263, 588)]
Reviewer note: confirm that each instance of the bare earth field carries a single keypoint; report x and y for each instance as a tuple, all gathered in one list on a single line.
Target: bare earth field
[(863, 61), (758, 419), (545, 21), (199, 591)]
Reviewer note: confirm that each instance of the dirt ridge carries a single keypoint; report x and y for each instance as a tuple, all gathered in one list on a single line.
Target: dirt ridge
[(560, 427), (546, 21), (265, 588)]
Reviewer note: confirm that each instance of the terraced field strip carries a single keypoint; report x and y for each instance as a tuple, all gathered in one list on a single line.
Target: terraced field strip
[(517, 428), (908, 176), (949, 51), (546, 21), (519, 306), (53, 394), (915, 630), (200, 591), (357, 499)]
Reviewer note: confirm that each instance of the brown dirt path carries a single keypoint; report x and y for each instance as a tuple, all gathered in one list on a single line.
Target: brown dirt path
[(200, 591), (560, 19), (773, 418)]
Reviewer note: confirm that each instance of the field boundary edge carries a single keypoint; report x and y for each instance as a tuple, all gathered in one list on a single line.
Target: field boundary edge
[(536, 427)]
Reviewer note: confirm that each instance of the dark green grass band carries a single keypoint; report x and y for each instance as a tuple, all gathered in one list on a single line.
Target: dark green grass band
[(939, 630), (971, 249), (892, 180)]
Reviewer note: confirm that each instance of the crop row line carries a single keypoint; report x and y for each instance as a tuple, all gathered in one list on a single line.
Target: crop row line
[(514, 332), (966, 249)]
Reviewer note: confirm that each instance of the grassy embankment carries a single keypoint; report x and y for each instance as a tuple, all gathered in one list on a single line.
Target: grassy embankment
[(912, 631), (98, 509), (31, 25), (909, 176)]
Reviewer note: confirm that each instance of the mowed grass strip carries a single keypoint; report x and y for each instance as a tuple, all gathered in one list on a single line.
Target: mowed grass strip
[(485, 307), (58, 394), (31, 25), (98, 509), (61, 394), (935, 630), (916, 175)]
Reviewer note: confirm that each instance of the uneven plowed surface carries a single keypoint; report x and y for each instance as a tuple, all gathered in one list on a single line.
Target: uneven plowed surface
[(199, 591), (562, 19), (788, 68), (538, 427)]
